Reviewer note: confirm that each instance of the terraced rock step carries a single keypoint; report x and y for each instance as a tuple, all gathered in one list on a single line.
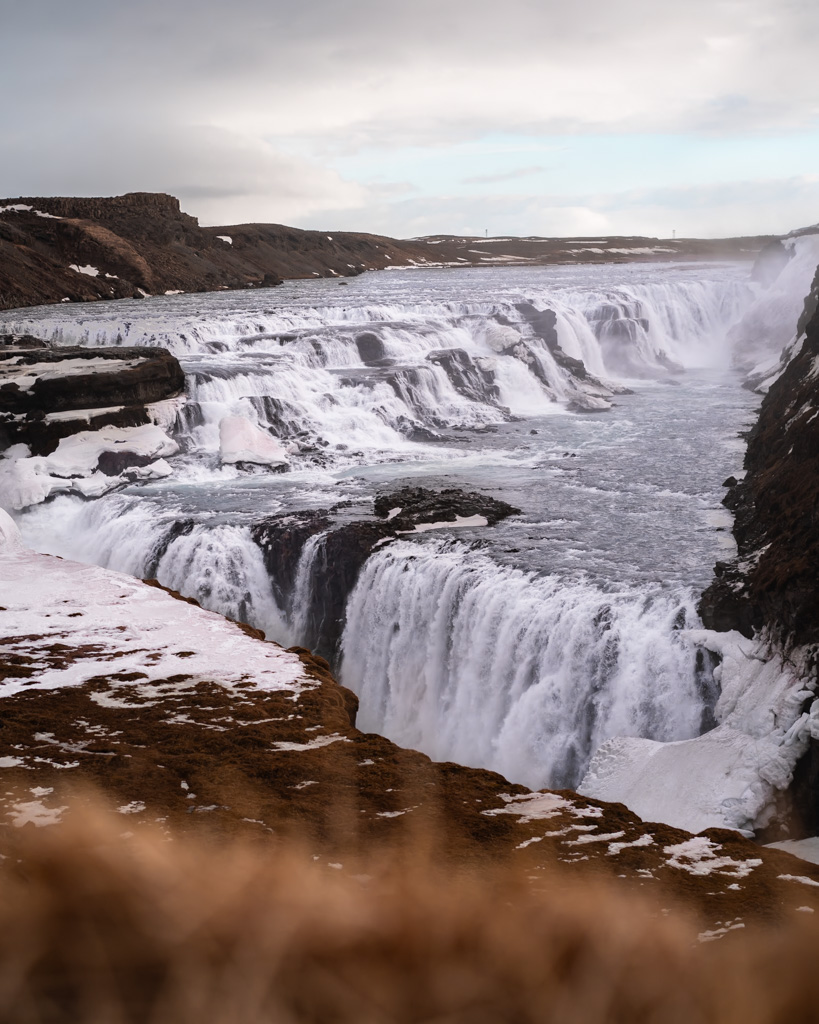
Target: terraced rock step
[(50, 393)]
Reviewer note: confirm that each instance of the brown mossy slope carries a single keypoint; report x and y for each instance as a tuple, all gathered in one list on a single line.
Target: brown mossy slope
[(130, 245), (143, 243)]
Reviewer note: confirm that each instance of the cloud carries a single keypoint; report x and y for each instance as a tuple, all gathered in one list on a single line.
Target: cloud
[(728, 209), (218, 175), (243, 110), (518, 172)]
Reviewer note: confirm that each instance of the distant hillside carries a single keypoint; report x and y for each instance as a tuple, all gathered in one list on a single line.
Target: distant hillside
[(80, 249)]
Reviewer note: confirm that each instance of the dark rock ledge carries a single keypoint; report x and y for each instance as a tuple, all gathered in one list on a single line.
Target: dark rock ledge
[(114, 390), (348, 542)]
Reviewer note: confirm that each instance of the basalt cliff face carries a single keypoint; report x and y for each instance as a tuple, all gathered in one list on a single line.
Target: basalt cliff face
[(60, 249), (772, 586)]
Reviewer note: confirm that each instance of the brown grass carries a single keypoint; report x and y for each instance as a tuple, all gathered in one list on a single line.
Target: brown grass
[(101, 928)]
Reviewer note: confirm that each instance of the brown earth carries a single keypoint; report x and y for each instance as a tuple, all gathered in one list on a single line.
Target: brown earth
[(143, 243)]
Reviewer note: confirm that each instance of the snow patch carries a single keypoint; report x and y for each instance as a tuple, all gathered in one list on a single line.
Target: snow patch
[(698, 856), (459, 521), (314, 744), (803, 879)]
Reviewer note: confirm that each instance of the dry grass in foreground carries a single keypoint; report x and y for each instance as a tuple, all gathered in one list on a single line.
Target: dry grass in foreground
[(101, 928)]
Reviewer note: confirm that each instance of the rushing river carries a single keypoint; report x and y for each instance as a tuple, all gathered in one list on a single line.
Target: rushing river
[(518, 647)]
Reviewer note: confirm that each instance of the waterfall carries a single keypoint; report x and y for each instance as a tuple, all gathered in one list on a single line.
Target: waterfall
[(449, 650), (525, 675), (217, 564)]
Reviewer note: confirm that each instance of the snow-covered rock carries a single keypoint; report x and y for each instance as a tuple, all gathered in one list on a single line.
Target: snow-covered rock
[(243, 441), (114, 619), (89, 463), (79, 454)]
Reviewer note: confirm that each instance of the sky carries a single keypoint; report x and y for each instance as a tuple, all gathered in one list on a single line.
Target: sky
[(520, 117)]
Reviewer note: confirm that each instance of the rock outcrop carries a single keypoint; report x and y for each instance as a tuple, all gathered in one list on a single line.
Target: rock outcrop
[(82, 420), (320, 554), (49, 393), (774, 581)]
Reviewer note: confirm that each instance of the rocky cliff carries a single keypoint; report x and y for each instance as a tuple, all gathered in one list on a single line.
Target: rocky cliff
[(774, 581), (772, 586)]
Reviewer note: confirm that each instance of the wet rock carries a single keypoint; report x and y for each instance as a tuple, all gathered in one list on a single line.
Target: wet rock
[(422, 505), (371, 349), (113, 463), (467, 376)]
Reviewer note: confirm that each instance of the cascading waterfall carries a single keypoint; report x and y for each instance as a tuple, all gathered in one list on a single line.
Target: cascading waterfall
[(525, 675), (521, 672), (217, 564), (373, 374)]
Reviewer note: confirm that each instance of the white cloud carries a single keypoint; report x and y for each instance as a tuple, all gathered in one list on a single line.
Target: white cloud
[(208, 101), (728, 209)]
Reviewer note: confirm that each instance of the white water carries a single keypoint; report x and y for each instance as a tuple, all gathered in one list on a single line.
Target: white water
[(566, 626), (292, 359), (520, 674)]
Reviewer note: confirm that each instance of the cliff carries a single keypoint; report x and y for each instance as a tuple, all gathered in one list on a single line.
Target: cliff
[(58, 249), (774, 581), (772, 586)]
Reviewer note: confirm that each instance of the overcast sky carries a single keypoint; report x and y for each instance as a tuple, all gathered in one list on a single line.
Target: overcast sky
[(550, 117)]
